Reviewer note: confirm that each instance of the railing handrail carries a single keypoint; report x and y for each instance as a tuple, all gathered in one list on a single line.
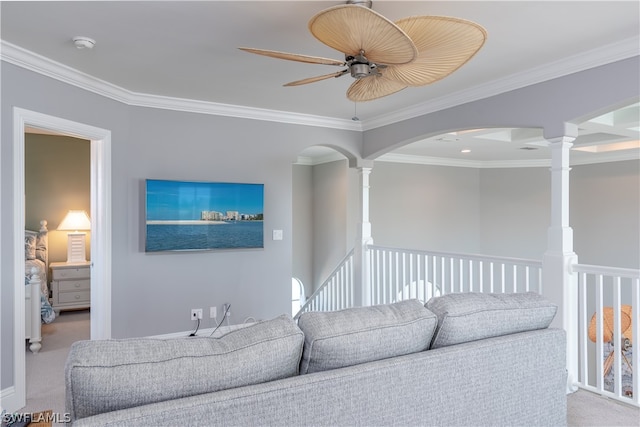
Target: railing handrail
[(310, 299), (630, 273), (476, 257)]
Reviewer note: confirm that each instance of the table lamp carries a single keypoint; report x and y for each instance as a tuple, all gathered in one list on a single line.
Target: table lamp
[(75, 222)]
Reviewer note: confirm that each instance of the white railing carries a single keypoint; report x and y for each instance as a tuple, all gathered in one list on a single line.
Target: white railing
[(336, 292), (398, 274), (609, 301)]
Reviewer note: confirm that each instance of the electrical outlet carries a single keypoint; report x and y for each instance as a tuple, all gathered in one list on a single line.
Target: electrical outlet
[(226, 310), (196, 313), (213, 312)]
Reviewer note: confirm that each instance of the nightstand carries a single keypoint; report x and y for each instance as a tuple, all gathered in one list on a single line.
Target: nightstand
[(70, 285)]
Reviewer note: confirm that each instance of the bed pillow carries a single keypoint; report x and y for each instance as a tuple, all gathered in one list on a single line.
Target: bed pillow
[(363, 334), (474, 316), (107, 375), (29, 247)]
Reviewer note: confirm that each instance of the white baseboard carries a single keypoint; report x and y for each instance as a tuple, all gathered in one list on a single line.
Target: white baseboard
[(9, 400)]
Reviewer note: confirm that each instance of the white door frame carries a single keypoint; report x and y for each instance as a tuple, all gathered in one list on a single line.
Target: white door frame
[(100, 233)]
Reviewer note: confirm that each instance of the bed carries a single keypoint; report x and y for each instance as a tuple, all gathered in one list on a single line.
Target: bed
[(36, 264)]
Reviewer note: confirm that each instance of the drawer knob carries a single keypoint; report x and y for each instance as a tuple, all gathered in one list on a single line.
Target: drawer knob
[(77, 296), (77, 285)]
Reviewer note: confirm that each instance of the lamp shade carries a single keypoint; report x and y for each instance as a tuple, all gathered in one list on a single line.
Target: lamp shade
[(75, 221)]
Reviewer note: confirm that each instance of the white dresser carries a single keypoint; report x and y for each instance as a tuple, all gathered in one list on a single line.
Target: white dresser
[(70, 285)]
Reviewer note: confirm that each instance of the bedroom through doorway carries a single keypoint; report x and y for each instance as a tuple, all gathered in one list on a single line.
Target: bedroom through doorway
[(57, 180)]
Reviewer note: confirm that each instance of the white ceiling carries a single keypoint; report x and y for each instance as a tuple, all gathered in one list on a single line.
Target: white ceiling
[(188, 50)]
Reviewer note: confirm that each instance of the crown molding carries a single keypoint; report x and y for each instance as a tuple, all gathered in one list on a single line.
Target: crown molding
[(313, 161), (495, 164), (619, 51), (31, 61), (37, 63)]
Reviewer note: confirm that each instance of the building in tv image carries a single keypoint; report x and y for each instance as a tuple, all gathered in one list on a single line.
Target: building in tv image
[(183, 215)]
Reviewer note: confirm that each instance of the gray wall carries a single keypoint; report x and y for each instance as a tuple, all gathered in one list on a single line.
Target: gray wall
[(425, 207), (330, 194), (515, 211), (152, 294), (302, 226), (605, 213), (506, 212)]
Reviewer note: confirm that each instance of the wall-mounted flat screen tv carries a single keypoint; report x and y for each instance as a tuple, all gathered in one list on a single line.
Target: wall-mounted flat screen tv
[(183, 215)]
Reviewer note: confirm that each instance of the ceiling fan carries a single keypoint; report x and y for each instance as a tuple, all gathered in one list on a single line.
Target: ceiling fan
[(385, 57)]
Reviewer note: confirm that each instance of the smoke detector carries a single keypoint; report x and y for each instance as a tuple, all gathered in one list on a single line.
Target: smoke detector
[(82, 42)]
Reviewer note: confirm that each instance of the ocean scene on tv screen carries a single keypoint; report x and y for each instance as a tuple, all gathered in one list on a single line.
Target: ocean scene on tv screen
[(182, 215)]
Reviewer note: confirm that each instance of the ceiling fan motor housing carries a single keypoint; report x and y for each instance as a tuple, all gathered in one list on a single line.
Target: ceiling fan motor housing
[(365, 3), (359, 70)]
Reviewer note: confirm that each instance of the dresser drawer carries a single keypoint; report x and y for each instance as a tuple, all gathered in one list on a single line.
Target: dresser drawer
[(74, 297), (71, 273), (74, 285)]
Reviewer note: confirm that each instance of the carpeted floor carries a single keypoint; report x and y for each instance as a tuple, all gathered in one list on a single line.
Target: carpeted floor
[(45, 369), (45, 379), (586, 409)]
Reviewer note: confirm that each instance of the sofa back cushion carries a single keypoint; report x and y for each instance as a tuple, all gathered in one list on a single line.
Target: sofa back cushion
[(363, 334), (473, 316), (103, 376)]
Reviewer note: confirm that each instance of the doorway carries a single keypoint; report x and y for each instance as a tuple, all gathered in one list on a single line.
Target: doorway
[(100, 232)]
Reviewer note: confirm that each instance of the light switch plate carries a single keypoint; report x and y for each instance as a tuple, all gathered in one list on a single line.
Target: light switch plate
[(277, 234)]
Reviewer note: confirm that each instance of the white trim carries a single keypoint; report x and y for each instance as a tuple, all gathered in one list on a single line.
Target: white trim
[(37, 63), (313, 161), (7, 399), (489, 164), (600, 56), (101, 231)]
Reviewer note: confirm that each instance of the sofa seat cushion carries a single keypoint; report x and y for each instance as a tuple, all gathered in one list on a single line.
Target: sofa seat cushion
[(362, 334), (107, 375), (473, 316)]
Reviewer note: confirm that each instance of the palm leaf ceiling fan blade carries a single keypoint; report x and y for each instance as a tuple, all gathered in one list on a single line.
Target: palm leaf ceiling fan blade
[(444, 44), (351, 29), (317, 78), (294, 56), (386, 57), (373, 87)]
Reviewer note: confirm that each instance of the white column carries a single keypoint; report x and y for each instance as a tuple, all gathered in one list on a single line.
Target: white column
[(361, 262), (559, 284)]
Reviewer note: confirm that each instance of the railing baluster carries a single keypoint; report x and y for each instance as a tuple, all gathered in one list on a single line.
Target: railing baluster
[(434, 262), (635, 302), (582, 313), (617, 338), (460, 276), (491, 276), (599, 334)]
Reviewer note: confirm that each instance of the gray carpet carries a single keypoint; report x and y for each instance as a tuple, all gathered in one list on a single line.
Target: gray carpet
[(45, 369), (589, 409), (45, 379)]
